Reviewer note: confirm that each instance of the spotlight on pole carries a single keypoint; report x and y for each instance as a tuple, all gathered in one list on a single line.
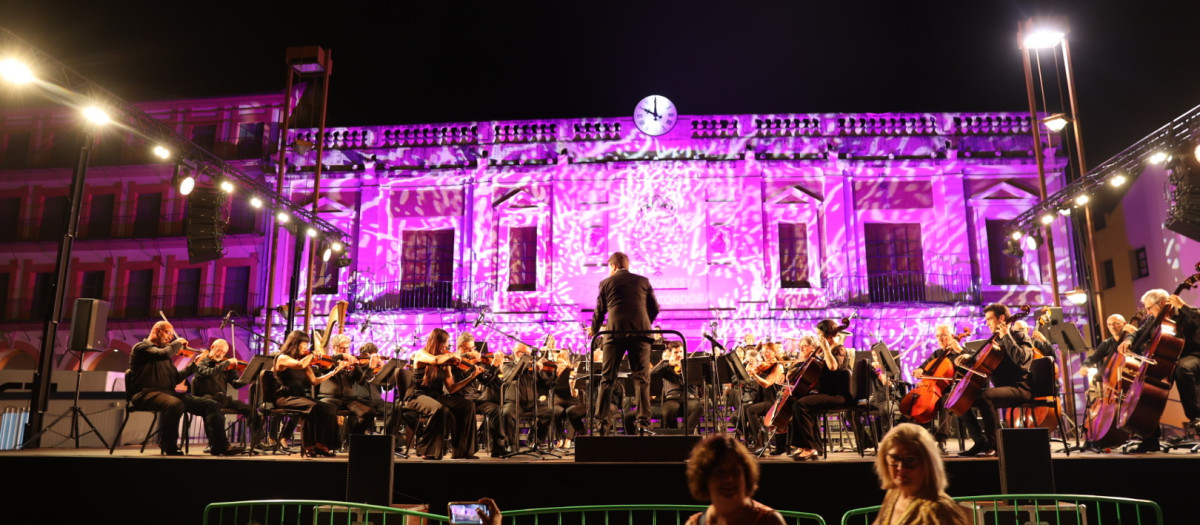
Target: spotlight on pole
[(1016, 236), (1043, 39), (15, 71), (95, 115), (1056, 122), (310, 232), (1077, 296), (1082, 199), (336, 246), (256, 202), (325, 256), (183, 180), (1065, 212), (162, 152), (282, 217), (1196, 153), (1158, 157), (226, 186), (1047, 218), (1118, 180)]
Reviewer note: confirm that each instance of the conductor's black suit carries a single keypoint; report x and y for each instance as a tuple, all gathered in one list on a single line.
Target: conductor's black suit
[(629, 302)]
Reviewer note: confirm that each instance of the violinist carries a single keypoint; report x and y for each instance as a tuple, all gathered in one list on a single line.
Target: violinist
[(671, 372), (568, 406), (487, 396), (519, 389), (150, 383), (1010, 381), (1187, 370), (295, 376), (340, 392), (833, 390), (215, 373), (460, 398), (767, 377), (432, 376), (367, 392)]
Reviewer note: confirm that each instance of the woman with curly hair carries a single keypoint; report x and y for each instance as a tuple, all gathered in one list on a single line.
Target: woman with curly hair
[(722, 471)]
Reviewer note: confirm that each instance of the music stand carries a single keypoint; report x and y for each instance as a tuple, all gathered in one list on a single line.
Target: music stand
[(698, 371), (1069, 341), (973, 347)]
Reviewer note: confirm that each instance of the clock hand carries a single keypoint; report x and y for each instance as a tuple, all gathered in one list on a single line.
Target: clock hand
[(651, 112)]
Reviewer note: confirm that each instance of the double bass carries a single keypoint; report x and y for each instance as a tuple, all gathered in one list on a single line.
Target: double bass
[(1160, 350), (920, 403), (1044, 414), (804, 377), (962, 397)]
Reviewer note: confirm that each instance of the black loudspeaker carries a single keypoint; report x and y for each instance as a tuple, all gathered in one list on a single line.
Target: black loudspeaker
[(1183, 215), (1025, 466), (369, 475), (636, 449), (89, 322), (204, 225)]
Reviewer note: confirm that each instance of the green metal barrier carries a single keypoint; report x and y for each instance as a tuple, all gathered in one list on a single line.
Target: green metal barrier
[(1050, 509), (631, 514), (312, 512)]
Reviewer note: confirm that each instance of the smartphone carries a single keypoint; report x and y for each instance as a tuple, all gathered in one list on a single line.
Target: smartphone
[(464, 512)]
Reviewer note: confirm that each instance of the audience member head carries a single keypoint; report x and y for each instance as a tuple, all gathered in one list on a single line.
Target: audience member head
[(720, 468), (909, 461)]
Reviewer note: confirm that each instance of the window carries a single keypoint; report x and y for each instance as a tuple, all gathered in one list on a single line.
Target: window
[(64, 149), (793, 256), (250, 140), (54, 215), (522, 259), (205, 136), (10, 215), (16, 152), (149, 215), (895, 262), (100, 217), (92, 285), (187, 292), (427, 268), (1005, 268), (1141, 265), (237, 289), (137, 303), (1110, 275), (43, 290)]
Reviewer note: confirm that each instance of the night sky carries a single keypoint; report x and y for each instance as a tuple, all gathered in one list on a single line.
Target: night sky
[(402, 62)]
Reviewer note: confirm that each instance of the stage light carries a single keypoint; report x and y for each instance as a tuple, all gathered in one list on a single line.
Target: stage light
[(1117, 180), (1082, 199), (310, 232), (161, 152), (1056, 122), (1065, 212), (1047, 218), (1043, 38), (256, 202), (337, 246), (96, 115), (1035, 241), (282, 217), (1158, 157), (15, 71), (1016, 236), (1196, 153), (186, 185), (325, 256), (1077, 296), (226, 186)]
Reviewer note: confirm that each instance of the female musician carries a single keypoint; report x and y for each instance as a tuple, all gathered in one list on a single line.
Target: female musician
[(722, 471), (767, 376), (833, 391), (296, 378), (910, 470), (568, 407), (432, 372)]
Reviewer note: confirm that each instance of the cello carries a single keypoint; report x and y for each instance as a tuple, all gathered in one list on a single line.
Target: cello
[(962, 397), (1042, 414), (920, 403), (805, 377), (1160, 350)]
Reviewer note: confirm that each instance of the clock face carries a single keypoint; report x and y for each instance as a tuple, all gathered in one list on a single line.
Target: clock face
[(655, 115)]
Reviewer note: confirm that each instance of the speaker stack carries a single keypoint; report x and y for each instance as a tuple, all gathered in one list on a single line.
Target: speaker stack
[(1183, 216), (204, 225)]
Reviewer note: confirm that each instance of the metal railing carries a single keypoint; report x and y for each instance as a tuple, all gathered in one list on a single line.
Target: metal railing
[(312, 512), (647, 514), (1061, 509), (902, 287), (402, 295)]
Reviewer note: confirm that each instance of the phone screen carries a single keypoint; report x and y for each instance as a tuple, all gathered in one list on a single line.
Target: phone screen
[(465, 513)]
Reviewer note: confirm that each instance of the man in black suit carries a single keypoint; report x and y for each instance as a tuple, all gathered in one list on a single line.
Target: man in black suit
[(1116, 328), (629, 302)]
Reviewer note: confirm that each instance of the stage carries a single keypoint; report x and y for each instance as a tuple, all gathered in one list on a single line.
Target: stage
[(88, 485)]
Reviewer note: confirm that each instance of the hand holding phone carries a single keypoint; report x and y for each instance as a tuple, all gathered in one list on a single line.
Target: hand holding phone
[(466, 512)]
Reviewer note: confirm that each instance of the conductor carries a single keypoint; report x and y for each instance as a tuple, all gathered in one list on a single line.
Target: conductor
[(629, 301)]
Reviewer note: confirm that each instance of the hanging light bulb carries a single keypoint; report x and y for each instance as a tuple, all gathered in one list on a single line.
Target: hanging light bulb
[(256, 202)]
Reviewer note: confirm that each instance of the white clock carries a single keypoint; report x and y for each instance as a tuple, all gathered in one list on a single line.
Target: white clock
[(655, 115)]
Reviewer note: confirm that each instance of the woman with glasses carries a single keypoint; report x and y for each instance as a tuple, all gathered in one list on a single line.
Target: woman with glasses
[(910, 470), (722, 471)]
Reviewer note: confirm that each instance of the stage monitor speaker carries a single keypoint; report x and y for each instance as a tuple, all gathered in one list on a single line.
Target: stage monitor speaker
[(89, 324), (204, 225), (1025, 466), (635, 449), (369, 475)]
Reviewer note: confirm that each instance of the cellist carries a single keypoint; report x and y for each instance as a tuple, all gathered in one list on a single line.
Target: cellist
[(1187, 327), (921, 404), (833, 390), (1010, 381)]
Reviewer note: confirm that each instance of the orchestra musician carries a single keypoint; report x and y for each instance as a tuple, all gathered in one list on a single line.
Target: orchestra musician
[(1036, 338), (215, 373), (948, 348), (1099, 358), (1010, 381), (520, 394), (431, 377), (364, 390), (671, 372), (628, 301), (833, 390), (460, 398), (767, 377), (486, 395), (340, 390), (152, 377), (1187, 369), (568, 406), (295, 376)]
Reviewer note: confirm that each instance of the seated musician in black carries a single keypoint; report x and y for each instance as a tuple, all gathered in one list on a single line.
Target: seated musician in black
[(832, 391), (295, 376), (341, 390), (671, 372), (768, 377), (1187, 369), (1106, 348), (432, 381), (568, 404), (519, 390), (1010, 381), (365, 390), (151, 381), (214, 375), (485, 392)]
